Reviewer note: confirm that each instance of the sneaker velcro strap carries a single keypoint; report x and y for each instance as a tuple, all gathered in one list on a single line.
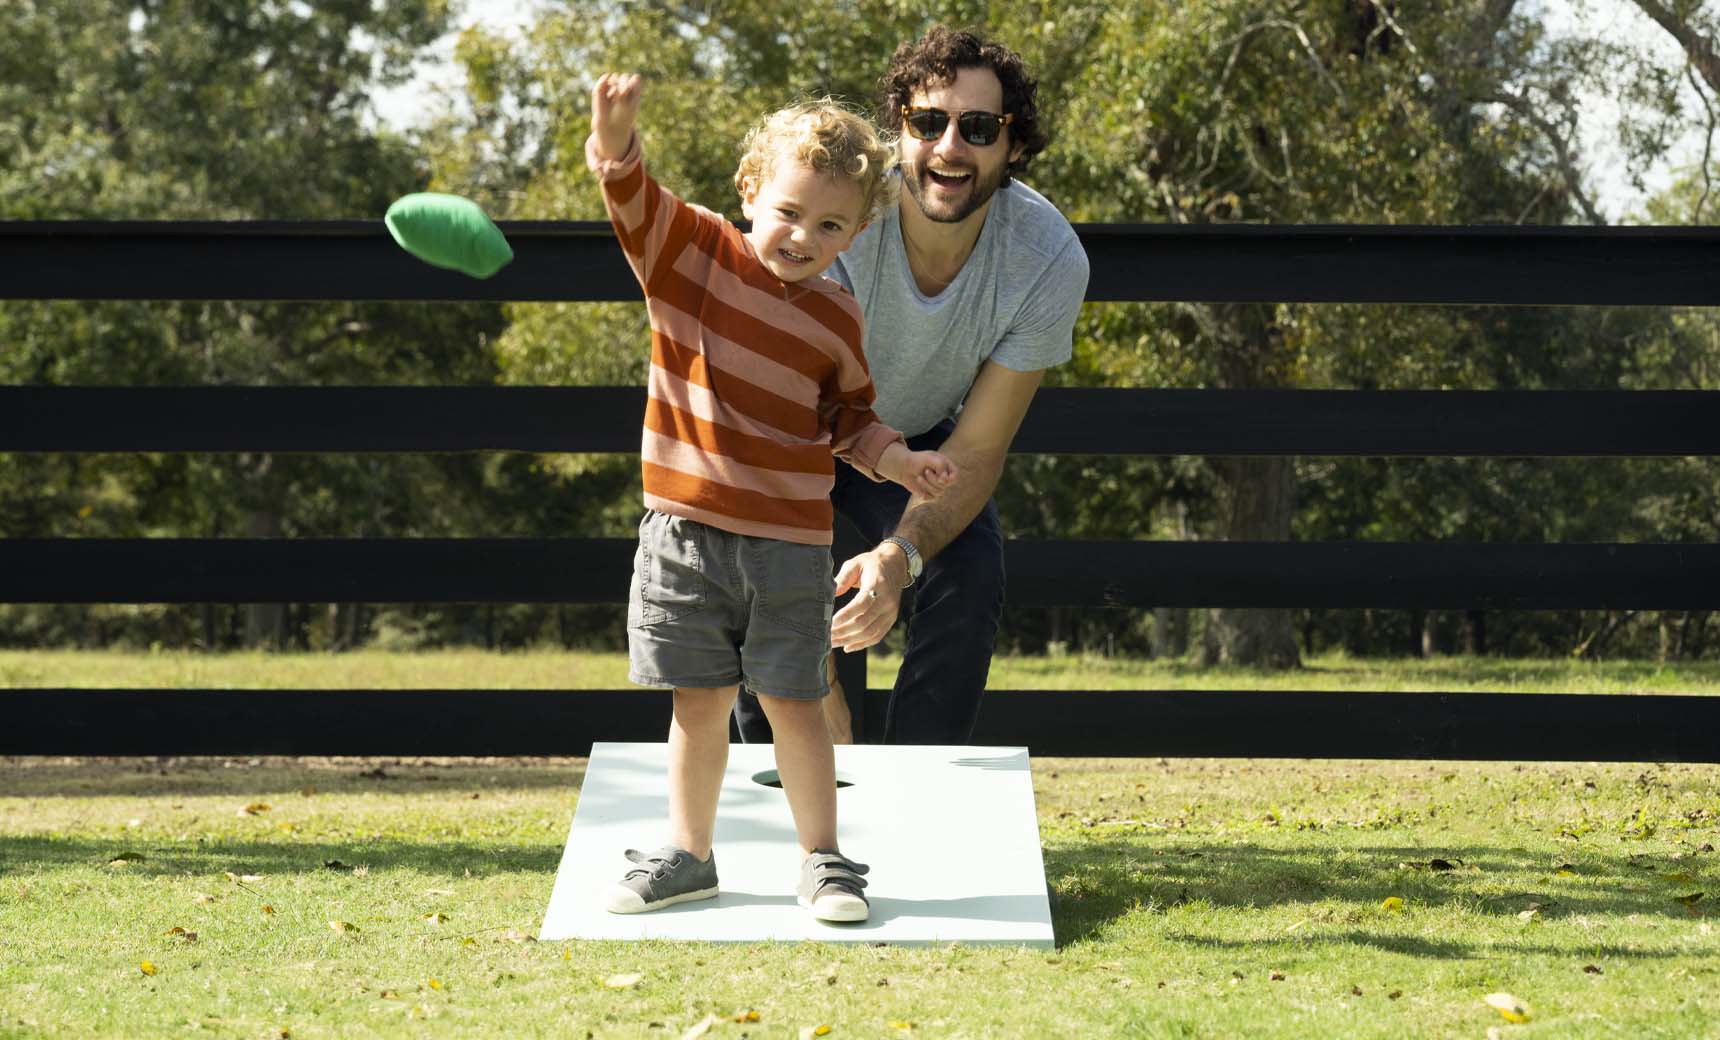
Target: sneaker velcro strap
[(833, 868), (655, 864)]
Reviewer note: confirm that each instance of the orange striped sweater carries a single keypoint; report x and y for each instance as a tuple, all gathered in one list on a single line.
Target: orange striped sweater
[(754, 382)]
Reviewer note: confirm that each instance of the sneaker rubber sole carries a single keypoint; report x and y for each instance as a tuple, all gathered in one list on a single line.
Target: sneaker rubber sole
[(623, 900), (838, 908)]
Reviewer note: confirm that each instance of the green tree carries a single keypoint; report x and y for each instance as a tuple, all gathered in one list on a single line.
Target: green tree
[(186, 109)]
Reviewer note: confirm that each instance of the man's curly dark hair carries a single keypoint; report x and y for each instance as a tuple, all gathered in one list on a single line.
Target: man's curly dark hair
[(937, 56)]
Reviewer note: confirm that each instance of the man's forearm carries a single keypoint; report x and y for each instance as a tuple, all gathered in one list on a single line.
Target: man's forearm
[(932, 524)]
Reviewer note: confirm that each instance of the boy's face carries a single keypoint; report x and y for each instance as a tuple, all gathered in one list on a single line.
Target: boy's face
[(950, 178), (801, 219)]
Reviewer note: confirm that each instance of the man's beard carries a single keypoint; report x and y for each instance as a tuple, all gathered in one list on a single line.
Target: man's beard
[(979, 194)]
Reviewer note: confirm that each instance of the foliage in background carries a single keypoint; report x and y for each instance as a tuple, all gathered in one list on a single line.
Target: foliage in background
[(1460, 111)]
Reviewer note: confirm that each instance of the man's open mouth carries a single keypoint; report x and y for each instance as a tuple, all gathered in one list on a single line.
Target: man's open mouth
[(950, 178)]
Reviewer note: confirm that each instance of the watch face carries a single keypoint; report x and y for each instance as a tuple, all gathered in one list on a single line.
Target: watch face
[(912, 554)]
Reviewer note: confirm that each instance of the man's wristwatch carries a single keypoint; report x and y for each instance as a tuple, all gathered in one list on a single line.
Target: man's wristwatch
[(913, 555)]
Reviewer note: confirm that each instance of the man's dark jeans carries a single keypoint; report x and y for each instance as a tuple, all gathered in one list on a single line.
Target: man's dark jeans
[(952, 612)]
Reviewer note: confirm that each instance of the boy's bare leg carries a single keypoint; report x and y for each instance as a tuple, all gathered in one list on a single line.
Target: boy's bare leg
[(698, 754), (807, 764), (837, 718)]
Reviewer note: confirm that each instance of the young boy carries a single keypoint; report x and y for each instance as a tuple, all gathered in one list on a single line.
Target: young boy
[(757, 377)]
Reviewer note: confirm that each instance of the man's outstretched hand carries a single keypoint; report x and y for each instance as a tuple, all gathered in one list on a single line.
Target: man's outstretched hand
[(878, 574)]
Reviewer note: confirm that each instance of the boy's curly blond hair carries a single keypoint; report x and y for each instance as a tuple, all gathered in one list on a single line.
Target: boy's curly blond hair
[(827, 137)]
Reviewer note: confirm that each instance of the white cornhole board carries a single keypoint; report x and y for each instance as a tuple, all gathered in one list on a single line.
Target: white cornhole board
[(949, 832)]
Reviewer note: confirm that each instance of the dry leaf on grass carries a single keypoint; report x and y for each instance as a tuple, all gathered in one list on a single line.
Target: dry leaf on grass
[(624, 981), (1513, 1009), (700, 1028), (749, 1015), (253, 809), (189, 937), (343, 927), (436, 917), (268, 910), (126, 859)]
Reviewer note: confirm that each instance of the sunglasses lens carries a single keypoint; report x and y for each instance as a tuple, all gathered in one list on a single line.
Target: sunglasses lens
[(927, 124), (979, 127)]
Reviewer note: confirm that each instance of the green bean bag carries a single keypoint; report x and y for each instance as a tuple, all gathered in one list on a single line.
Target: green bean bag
[(448, 231)]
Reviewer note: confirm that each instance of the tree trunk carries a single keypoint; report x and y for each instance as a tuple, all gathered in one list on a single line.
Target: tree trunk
[(1170, 632), (343, 627), (1256, 495), (1256, 502), (1429, 646), (265, 623), (1474, 633)]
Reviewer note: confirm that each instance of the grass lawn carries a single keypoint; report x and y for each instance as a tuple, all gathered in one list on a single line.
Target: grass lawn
[(1193, 897)]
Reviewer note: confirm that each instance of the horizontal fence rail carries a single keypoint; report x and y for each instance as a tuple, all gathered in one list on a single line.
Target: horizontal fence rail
[(1441, 575), (1217, 723), (579, 260), (1063, 420)]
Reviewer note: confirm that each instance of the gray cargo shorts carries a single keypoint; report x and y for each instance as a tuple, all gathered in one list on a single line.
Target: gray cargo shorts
[(712, 608)]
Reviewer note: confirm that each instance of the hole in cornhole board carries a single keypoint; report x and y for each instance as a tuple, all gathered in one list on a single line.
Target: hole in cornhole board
[(950, 833), (770, 778)]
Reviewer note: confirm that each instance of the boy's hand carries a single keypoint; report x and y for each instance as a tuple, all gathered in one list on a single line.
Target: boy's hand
[(614, 107), (925, 473)]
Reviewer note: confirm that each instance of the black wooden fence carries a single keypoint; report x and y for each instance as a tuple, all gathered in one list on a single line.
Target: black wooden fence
[(579, 261)]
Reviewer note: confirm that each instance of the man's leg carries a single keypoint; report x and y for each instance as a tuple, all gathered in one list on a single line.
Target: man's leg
[(952, 630), (952, 613)]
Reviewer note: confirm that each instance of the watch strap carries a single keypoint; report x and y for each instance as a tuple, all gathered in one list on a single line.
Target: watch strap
[(913, 555)]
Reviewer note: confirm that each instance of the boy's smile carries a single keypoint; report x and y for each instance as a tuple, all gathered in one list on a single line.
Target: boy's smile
[(801, 219)]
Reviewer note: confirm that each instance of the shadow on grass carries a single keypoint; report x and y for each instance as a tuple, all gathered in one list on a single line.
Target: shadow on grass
[(194, 777), (1098, 882), (1414, 946), (447, 858)]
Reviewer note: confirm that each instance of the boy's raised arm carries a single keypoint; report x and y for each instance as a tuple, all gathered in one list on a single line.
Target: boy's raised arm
[(614, 109)]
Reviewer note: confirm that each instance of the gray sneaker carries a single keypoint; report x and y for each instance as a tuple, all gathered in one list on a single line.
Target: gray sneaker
[(830, 885), (663, 878)]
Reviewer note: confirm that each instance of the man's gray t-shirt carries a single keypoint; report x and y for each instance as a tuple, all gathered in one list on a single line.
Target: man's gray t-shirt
[(1014, 302)]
